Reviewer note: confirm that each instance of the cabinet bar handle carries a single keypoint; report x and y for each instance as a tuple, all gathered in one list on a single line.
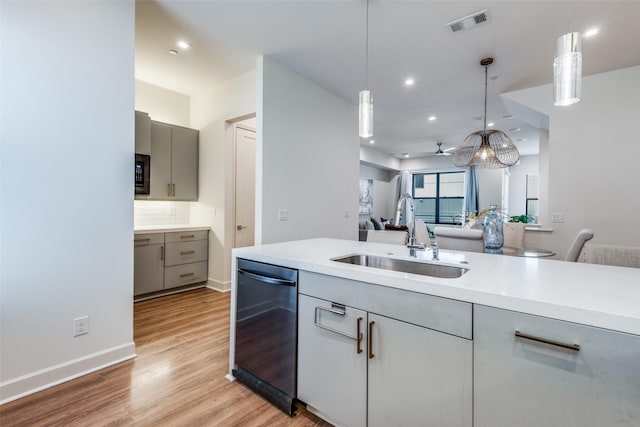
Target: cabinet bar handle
[(187, 252), (335, 309), (141, 240), (169, 190), (174, 190), (370, 337), (187, 236), (574, 347), (161, 253), (186, 274), (358, 335)]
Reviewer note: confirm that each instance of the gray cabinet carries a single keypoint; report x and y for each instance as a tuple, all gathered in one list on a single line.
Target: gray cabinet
[(148, 266), (528, 372), (174, 162), (387, 367), (164, 261)]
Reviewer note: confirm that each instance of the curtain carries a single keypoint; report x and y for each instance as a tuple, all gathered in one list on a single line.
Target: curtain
[(471, 193)]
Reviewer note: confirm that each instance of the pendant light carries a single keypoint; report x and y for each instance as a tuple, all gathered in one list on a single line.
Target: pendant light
[(567, 67), (486, 148), (365, 101)]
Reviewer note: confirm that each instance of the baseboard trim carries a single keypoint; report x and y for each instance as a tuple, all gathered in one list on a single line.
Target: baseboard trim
[(219, 286), (58, 374)]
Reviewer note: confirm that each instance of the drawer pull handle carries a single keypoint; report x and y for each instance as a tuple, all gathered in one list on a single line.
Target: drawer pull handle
[(339, 310), (370, 337), (169, 190), (187, 252), (141, 240), (574, 347), (173, 190), (187, 274), (161, 253), (187, 236)]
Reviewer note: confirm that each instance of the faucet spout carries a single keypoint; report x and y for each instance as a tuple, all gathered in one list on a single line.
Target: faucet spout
[(406, 197)]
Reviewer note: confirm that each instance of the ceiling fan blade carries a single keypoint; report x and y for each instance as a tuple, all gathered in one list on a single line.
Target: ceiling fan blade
[(449, 149)]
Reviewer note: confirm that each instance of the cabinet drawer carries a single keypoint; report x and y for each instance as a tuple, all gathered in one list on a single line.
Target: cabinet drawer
[(185, 274), (541, 379), (186, 252), (186, 236), (148, 239), (441, 314)]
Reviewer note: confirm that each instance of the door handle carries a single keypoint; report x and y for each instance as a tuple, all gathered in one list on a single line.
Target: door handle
[(240, 227), (370, 337)]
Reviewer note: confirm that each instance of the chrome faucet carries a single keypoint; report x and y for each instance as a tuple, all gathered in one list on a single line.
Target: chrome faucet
[(413, 246), (434, 251)]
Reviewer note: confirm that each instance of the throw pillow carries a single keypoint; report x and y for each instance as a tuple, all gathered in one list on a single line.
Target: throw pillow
[(376, 224)]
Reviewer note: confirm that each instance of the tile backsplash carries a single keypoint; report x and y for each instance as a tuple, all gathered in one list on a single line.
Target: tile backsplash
[(147, 212)]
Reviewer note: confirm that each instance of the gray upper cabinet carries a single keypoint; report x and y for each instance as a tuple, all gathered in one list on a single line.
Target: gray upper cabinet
[(143, 133), (174, 163), (532, 371)]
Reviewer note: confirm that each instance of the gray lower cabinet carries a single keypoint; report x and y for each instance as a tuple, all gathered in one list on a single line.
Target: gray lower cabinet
[(357, 367), (170, 260), (148, 266), (528, 373)]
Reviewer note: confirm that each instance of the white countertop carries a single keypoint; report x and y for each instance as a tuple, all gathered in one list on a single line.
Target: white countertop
[(147, 229), (596, 295)]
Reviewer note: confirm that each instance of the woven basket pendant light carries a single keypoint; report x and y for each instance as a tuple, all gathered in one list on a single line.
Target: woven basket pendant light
[(490, 149)]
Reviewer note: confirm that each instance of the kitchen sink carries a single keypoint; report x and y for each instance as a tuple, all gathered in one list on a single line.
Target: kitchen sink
[(402, 265)]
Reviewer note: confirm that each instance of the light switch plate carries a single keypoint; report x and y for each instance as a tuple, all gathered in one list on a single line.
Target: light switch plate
[(283, 215), (557, 217)]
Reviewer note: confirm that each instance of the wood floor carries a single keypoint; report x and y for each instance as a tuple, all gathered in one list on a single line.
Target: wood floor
[(182, 342)]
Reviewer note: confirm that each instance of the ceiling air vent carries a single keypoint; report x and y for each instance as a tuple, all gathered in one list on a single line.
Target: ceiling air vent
[(469, 21)]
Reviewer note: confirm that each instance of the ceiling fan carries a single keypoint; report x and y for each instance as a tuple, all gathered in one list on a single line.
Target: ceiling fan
[(440, 152)]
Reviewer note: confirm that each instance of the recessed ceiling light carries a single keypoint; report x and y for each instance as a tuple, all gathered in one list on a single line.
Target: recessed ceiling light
[(183, 44), (372, 141), (409, 82), (432, 118), (173, 51), (591, 32), (508, 116), (514, 130), (405, 154), (491, 124)]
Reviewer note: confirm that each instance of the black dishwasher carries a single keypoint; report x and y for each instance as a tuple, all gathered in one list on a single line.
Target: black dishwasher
[(266, 329)]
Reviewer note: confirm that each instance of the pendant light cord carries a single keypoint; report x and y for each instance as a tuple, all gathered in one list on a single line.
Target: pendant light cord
[(366, 51), (486, 71)]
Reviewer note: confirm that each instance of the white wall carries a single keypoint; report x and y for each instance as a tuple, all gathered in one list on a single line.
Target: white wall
[(67, 131), (162, 104), (308, 157), (592, 159), (518, 183), (210, 113)]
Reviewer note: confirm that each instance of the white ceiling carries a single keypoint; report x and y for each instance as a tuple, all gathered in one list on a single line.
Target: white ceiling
[(324, 41)]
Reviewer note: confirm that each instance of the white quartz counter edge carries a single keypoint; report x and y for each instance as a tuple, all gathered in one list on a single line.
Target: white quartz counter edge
[(595, 295), (148, 229)]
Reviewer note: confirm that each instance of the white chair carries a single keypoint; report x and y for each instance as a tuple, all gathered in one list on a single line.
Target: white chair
[(461, 239), (621, 256), (513, 234), (422, 233), (388, 236), (583, 236)]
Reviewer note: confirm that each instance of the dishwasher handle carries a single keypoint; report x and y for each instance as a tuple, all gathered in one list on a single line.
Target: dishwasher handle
[(267, 279)]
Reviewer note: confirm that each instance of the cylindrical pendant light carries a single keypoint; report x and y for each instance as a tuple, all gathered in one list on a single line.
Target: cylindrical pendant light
[(567, 69), (365, 101), (365, 110)]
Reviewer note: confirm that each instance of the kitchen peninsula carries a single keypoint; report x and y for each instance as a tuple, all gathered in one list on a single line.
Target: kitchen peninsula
[(512, 341)]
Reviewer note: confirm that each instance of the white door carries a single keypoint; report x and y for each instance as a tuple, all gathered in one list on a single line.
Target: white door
[(245, 187)]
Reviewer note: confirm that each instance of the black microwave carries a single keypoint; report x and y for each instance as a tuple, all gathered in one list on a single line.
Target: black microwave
[(142, 173)]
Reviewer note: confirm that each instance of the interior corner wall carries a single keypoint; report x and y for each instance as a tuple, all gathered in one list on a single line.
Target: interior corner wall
[(210, 113), (592, 159), (66, 226), (309, 159), (518, 184), (163, 105)]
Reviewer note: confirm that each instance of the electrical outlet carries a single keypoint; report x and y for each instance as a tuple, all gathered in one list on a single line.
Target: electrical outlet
[(557, 217), (80, 326), (283, 215), (346, 213)]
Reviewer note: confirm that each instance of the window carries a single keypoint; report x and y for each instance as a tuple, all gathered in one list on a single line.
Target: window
[(439, 197), (532, 196)]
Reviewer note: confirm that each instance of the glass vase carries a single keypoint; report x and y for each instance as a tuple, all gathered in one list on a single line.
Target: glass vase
[(493, 237)]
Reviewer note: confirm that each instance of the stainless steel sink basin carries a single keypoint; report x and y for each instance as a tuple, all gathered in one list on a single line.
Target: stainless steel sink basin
[(405, 266)]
